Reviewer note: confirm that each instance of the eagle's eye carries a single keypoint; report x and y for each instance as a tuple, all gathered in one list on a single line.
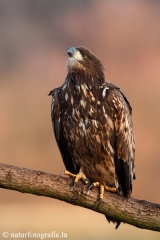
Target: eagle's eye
[(84, 55)]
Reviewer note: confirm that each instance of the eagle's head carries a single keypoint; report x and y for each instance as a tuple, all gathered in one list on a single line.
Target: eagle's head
[(82, 61)]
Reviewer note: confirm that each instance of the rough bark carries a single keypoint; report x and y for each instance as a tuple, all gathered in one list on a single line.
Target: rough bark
[(138, 213)]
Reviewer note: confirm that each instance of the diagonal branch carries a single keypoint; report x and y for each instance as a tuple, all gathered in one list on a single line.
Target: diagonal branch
[(138, 213)]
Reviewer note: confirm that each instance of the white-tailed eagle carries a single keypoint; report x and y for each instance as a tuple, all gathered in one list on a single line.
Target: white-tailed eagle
[(92, 123)]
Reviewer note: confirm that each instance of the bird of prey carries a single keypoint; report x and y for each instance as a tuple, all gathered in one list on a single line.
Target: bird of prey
[(92, 123)]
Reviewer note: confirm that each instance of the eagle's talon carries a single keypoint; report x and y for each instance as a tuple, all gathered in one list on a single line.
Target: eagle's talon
[(99, 201), (76, 177), (86, 180), (102, 188), (74, 184), (67, 173), (117, 191), (62, 172), (91, 186)]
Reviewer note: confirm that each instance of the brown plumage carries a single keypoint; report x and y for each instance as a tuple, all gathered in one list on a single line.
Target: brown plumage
[(92, 122)]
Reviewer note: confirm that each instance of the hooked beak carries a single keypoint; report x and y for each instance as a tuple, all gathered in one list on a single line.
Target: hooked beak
[(71, 51)]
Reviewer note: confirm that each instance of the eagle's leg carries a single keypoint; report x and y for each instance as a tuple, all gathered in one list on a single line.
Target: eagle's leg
[(76, 177), (102, 188)]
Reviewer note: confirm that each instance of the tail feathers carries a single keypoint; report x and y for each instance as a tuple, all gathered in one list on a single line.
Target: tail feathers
[(115, 221)]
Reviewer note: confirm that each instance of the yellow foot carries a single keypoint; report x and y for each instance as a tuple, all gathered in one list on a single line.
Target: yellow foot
[(77, 177), (102, 188)]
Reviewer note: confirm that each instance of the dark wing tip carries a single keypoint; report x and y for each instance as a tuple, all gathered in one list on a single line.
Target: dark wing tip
[(115, 221), (117, 225)]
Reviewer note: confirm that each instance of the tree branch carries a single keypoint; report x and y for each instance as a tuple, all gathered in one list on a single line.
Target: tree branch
[(138, 213)]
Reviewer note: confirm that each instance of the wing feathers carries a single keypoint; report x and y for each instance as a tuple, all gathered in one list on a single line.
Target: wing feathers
[(125, 143), (61, 142)]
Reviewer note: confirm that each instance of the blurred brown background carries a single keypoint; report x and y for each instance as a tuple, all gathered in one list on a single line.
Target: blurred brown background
[(34, 35)]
